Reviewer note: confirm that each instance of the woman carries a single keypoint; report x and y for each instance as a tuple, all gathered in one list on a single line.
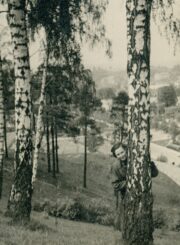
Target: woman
[(119, 171)]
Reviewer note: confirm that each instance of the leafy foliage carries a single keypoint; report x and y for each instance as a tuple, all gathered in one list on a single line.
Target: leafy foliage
[(8, 83), (167, 95), (86, 94), (85, 99), (60, 88), (93, 211), (119, 116), (168, 24), (106, 93), (68, 22), (174, 130), (95, 138)]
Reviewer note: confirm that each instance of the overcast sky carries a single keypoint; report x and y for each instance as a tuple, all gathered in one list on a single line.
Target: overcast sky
[(115, 21)]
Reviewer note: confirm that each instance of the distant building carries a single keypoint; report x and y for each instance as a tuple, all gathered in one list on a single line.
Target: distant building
[(107, 104)]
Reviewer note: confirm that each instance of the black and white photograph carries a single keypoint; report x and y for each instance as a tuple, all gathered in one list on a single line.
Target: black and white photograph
[(89, 122)]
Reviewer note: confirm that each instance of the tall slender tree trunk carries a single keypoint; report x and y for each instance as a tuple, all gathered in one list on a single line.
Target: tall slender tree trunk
[(138, 202), (56, 149), (47, 143), (1, 128), (53, 148), (34, 123), (5, 135), (19, 203), (39, 127), (52, 141), (85, 155)]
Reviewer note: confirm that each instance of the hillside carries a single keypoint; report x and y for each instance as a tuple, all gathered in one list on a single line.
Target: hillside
[(46, 229), (118, 79)]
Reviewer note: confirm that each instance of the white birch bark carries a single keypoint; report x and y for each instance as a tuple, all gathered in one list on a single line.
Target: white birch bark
[(137, 221), (20, 197), (39, 127)]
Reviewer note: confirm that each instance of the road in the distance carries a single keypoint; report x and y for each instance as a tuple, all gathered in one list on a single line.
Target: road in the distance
[(68, 146)]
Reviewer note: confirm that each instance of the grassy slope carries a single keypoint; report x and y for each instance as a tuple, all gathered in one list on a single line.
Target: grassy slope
[(48, 230)]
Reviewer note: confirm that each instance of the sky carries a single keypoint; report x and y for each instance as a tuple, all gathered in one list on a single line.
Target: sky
[(162, 54)]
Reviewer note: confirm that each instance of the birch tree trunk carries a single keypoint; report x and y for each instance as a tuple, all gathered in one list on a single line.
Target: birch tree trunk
[(138, 202), (1, 128), (39, 127), (19, 203)]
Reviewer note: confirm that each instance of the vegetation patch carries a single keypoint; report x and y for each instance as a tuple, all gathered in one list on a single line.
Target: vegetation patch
[(93, 211), (159, 219), (37, 226), (162, 158)]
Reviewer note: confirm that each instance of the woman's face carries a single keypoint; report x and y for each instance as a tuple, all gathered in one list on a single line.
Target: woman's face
[(120, 154)]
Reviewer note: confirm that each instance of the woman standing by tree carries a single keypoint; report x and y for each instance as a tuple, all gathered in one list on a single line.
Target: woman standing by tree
[(138, 200), (119, 173)]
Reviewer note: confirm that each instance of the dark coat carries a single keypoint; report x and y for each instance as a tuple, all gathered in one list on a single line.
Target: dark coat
[(118, 173)]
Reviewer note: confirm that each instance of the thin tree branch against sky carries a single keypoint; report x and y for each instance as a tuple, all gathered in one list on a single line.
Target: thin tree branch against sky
[(162, 54)]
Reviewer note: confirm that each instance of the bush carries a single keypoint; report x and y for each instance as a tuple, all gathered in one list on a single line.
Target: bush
[(174, 201), (66, 208), (177, 226), (37, 226), (162, 158), (72, 210), (159, 219), (97, 211), (41, 206), (92, 211)]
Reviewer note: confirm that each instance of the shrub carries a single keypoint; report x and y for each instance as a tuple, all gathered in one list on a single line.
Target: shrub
[(162, 158), (159, 219), (92, 211), (97, 211), (66, 208), (174, 201), (107, 219), (177, 226), (37, 226), (72, 210), (41, 206)]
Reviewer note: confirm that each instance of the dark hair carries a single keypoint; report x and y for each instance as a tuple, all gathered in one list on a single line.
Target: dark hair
[(116, 146)]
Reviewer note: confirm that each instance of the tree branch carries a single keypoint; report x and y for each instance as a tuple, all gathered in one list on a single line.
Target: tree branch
[(4, 11)]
